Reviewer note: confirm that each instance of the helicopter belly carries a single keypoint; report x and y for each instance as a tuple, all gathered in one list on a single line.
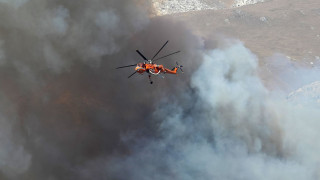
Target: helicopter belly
[(155, 71)]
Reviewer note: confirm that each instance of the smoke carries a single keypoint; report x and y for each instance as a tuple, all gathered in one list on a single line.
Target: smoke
[(227, 125), (62, 101), (288, 75), (66, 113)]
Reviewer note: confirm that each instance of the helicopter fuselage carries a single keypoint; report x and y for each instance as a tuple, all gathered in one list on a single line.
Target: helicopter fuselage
[(154, 69)]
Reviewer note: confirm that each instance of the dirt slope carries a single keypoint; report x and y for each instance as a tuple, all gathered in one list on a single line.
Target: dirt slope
[(291, 27)]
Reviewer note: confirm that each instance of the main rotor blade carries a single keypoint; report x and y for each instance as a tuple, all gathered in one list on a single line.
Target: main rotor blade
[(141, 55), (160, 50), (126, 66), (167, 55), (132, 74)]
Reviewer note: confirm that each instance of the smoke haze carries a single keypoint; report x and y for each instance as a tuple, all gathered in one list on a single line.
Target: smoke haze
[(66, 113), (227, 126), (63, 103)]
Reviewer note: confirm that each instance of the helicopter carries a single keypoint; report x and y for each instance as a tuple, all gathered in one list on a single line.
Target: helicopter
[(151, 68)]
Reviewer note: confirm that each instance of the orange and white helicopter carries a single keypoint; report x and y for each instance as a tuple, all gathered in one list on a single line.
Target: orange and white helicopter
[(151, 68)]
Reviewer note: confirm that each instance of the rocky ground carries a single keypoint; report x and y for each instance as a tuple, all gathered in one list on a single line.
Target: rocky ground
[(287, 28), (165, 7), (290, 27)]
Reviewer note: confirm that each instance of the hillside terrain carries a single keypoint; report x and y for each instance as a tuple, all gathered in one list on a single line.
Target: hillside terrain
[(284, 29)]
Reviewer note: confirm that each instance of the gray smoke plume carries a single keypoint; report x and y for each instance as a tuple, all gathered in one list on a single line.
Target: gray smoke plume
[(227, 125), (66, 113), (62, 101)]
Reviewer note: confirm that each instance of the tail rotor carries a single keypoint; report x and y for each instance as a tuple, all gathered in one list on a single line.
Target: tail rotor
[(179, 67)]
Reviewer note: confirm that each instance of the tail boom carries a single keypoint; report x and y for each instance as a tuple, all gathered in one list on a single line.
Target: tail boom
[(173, 71)]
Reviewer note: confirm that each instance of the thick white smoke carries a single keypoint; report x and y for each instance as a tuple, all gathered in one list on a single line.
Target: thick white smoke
[(228, 126)]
